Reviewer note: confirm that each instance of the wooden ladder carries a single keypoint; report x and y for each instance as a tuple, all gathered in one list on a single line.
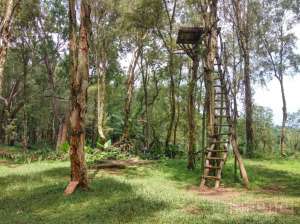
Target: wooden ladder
[(216, 154)]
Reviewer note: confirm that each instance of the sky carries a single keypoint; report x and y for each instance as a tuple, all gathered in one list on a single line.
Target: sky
[(270, 96)]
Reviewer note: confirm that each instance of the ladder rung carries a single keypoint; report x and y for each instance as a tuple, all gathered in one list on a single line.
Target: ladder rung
[(218, 86), (214, 158), (223, 134), (223, 125), (213, 167), (209, 150), (211, 177), (219, 93), (220, 108), (220, 142), (219, 115)]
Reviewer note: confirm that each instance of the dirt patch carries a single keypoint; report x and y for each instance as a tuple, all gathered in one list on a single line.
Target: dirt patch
[(192, 210), (228, 196), (264, 207), (218, 195), (114, 167), (272, 189), (8, 163), (119, 164)]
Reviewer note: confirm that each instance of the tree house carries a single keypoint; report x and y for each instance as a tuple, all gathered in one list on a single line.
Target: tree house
[(190, 39)]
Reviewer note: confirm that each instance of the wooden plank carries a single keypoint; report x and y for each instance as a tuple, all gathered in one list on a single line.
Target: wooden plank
[(71, 187), (216, 150), (213, 167), (214, 158), (211, 177)]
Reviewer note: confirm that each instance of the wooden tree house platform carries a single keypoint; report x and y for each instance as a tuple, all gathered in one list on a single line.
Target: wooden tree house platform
[(189, 38), (215, 154)]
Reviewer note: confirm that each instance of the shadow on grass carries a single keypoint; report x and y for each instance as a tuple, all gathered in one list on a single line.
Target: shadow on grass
[(281, 182), (260, 176), (39, 199), (176, 170)]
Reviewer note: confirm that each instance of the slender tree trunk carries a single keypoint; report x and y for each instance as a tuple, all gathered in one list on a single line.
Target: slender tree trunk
[(145, 79), (25, 117), (79, 72), (249, 106), (177, 119), (191, 115), (130, 88), (284, 118), (101, 92), (176, 122), (243, 34), (62, 135), (172, 99), (54, 103), (210, 40)]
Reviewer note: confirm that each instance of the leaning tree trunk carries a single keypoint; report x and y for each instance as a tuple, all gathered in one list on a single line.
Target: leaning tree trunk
[(79, 72), (5, 34)]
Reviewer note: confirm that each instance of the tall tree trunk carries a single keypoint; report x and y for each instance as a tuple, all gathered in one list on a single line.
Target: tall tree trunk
[(25, 117), (5, 33), (191, 115), (54, 103), (62, 136), (130, 87), (177, 119), (210, 21), (101, 92), (284, 118), (243, 35), (172, 99), (79, 74), (176, 122), (249, 106), (145, 79)]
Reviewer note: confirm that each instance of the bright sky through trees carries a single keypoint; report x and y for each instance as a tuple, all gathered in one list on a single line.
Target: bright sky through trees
[(270, 95)]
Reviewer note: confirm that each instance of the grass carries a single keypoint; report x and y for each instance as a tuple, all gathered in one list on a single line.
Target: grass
[(157, 193)]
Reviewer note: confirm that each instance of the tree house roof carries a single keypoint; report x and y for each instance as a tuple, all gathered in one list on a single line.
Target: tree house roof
[(189, 35)]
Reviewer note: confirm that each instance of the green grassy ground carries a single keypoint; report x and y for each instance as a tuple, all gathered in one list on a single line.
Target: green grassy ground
[(164, 192)]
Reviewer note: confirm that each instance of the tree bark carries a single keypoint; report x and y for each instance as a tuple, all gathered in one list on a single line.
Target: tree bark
[(191, 115), (5, 33), (79, 72), (172, 99), (243, 35), (249, 106), (101, 92), (145, 79), (209, 13), (130, 88), (62, 136), (284, 119)]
